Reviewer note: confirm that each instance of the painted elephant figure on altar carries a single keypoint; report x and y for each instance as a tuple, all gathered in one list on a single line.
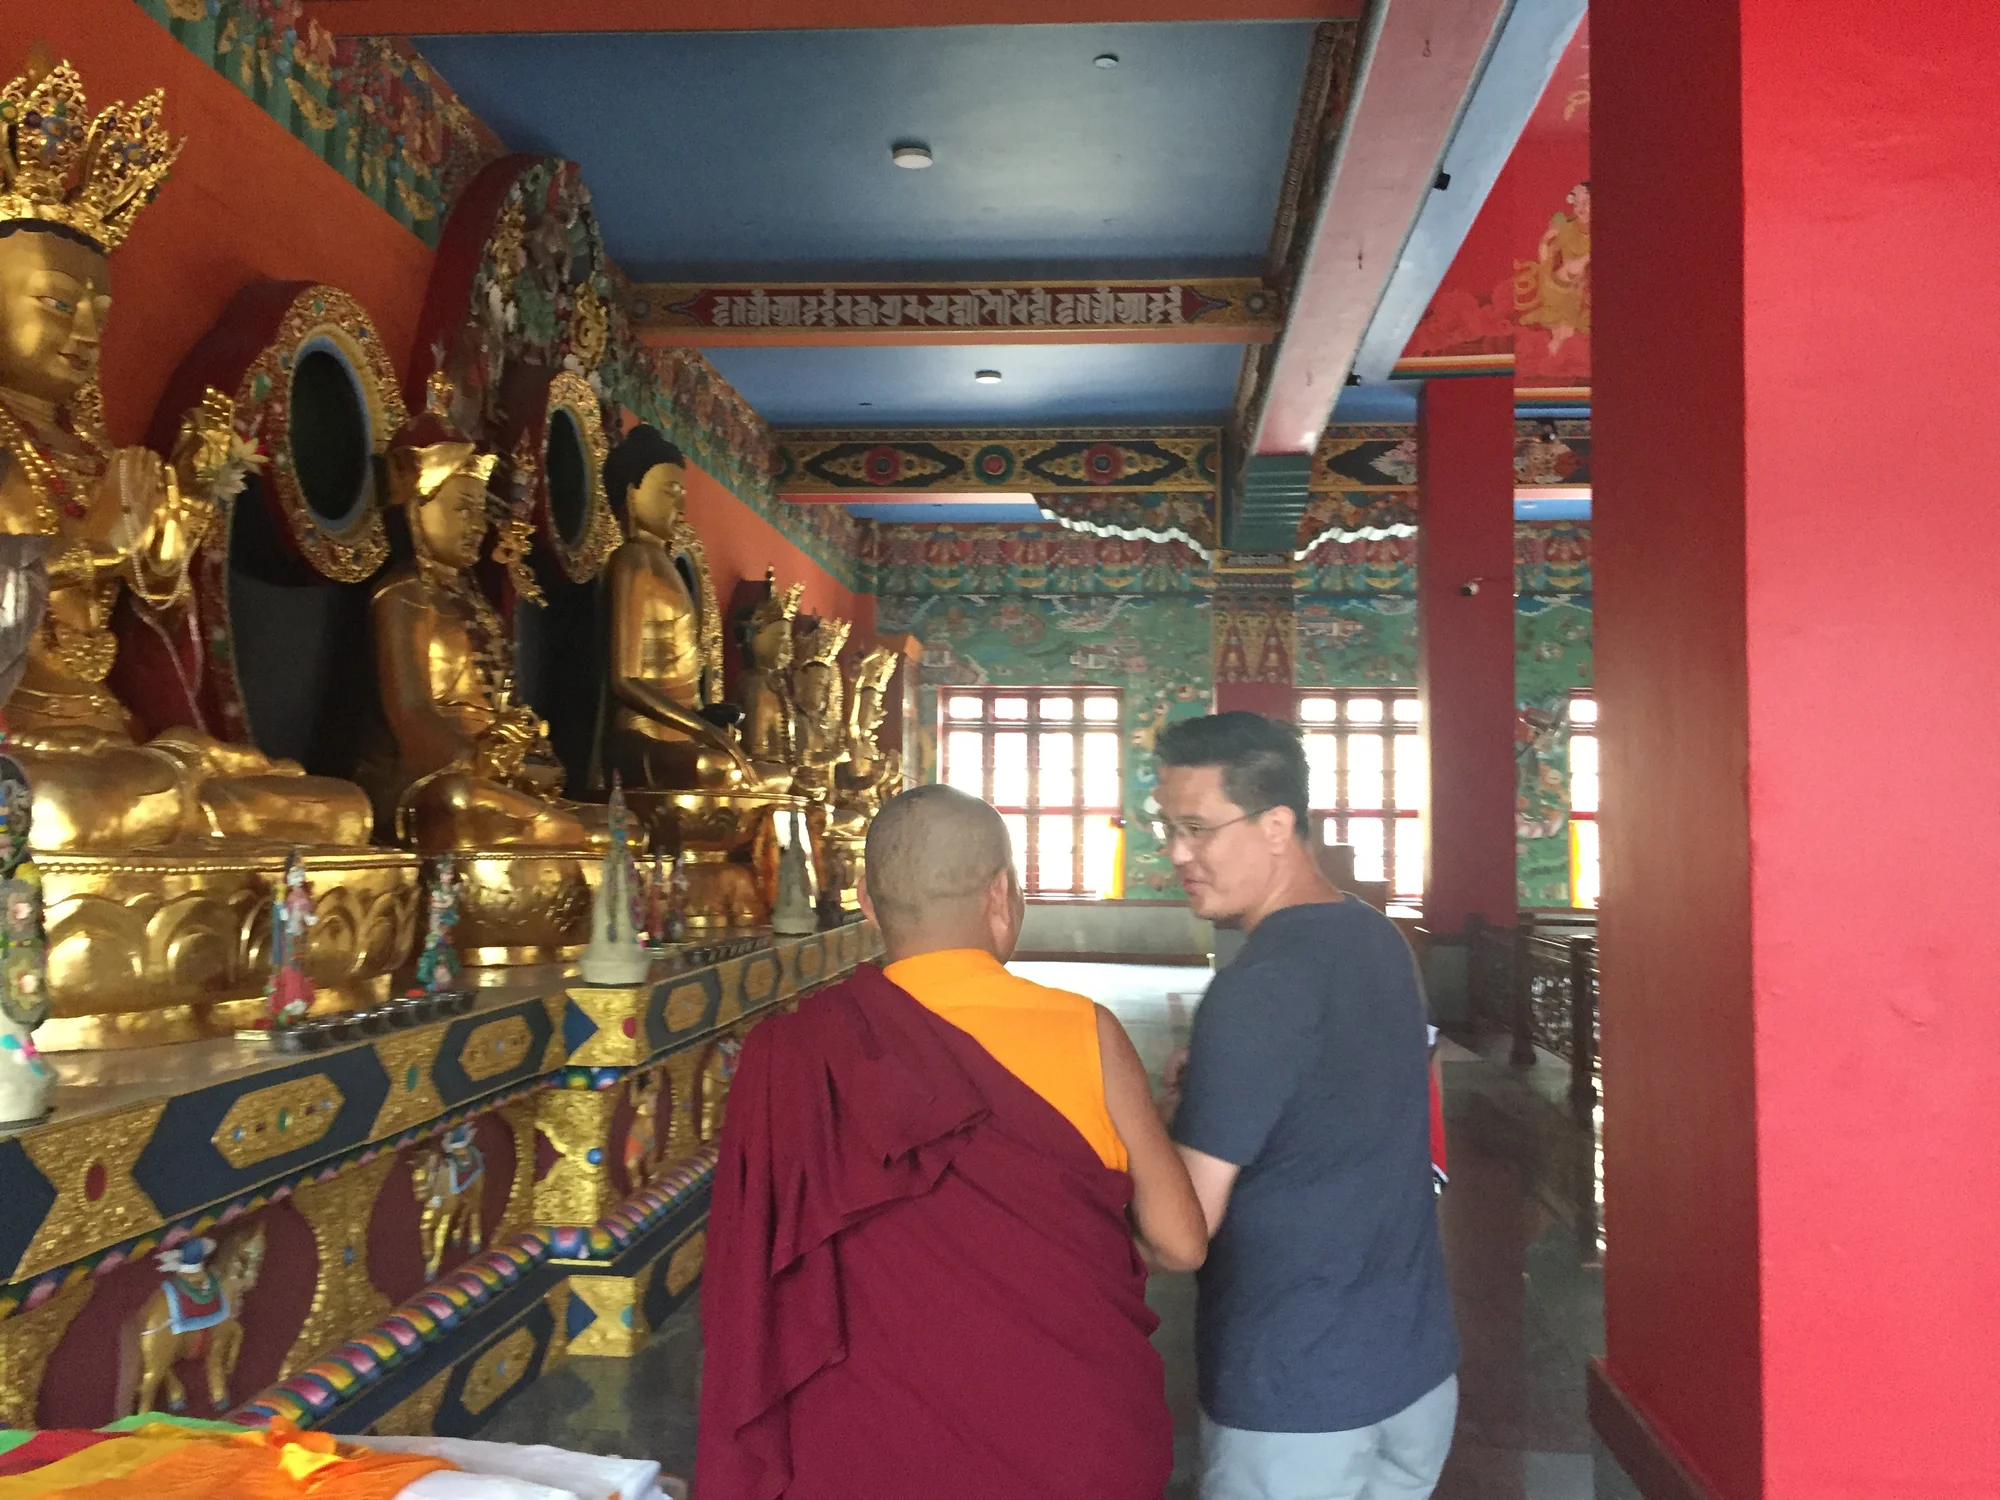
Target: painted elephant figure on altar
[(197, 1312)]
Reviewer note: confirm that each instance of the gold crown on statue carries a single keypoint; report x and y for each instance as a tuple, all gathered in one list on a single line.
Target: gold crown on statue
[(875, 670), (60, 166), (779, 605), (821, 641), (430, 450)]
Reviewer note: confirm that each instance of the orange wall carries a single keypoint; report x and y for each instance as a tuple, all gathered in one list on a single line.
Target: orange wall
[(741, 544), (245, 201)]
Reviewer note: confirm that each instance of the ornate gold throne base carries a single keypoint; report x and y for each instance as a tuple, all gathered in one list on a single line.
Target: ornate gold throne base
[(730, 846), (524, 906), (172, 944)]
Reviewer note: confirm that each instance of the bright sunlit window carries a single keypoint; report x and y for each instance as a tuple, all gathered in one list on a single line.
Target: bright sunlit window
[(1365, 753), (1582, 799), (1049, 760)]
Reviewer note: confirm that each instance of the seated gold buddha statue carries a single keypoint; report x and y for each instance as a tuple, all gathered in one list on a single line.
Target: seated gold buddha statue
[(765, 690), (471, 767), (114, 518), (665, 733)]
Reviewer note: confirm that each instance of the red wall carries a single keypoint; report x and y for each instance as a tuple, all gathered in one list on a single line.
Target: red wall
[(1794, 454), (244, 201), (741, 544), (1465, 647)]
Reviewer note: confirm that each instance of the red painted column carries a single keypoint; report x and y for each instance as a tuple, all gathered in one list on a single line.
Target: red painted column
[(1275, 700), (1796, 640), (1465, 652)]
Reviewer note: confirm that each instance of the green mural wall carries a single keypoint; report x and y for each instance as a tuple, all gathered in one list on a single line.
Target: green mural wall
[(1138, 622), (1153, 651)]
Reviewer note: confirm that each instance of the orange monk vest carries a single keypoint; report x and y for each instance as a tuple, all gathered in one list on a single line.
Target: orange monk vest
[(1046, 1038)]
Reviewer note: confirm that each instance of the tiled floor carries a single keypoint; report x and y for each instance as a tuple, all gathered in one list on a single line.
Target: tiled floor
[(1519, 1236)]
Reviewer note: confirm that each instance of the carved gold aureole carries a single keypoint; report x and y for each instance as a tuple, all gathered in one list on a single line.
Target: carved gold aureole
[(574, 448), (327, 332)]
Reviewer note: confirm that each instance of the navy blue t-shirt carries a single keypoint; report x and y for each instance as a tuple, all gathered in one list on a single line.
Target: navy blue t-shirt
[(1323, 1303)]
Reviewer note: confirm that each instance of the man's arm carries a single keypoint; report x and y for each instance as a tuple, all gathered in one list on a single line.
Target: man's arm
[(1164, 1206), (1213, 1180)]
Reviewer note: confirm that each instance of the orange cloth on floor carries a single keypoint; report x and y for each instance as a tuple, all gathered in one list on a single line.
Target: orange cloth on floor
[(1046, 1038), (281, 1464)]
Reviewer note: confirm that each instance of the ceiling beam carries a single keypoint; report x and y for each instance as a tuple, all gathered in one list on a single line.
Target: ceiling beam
[(501, 17), (996, 460), (814, 314), (1420, 61)]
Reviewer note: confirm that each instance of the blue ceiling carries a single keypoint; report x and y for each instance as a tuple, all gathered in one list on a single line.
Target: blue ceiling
[(1040, 385), (725, 154)]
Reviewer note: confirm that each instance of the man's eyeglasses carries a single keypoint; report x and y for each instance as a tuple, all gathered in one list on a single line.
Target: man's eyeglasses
[(1196, 835)]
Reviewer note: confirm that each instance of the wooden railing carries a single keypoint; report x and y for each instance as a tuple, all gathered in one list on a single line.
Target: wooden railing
[(1555, 1001)]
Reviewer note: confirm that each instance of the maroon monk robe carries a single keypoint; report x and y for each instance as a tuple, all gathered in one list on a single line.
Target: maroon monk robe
[(920, 1281)]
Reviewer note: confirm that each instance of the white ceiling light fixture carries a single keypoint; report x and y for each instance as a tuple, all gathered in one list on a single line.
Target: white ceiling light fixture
[(1106, 60), (986, 377), (914, 155)]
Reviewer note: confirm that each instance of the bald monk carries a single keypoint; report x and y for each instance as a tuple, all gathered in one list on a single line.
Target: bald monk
[(924, 1279)]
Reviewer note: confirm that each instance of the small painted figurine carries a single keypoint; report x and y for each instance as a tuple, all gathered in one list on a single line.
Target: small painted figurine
[(290, 992), (25, 1079), (438, 968)]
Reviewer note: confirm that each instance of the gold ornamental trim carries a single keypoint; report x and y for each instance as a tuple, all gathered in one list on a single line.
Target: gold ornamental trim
[(278, 1120), (584, 559), (496, 1047), (327, 316), (345, 1299), (502, 1366), (686, 1263), (89, 1162)]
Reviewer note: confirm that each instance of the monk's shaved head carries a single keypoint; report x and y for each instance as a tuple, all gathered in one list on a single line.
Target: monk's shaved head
[(933, 855)]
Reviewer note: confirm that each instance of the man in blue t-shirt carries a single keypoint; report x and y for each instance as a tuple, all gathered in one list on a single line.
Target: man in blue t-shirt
[(1324, 1335)]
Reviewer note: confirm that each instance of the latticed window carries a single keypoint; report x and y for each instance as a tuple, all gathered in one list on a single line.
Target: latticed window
[(1049, 760), (1365, 752), (1583, 882)]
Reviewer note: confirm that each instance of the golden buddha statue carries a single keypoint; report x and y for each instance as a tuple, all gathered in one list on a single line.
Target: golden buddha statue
[(666, 732), (115, 518), (818, 700), (764, 690), (472, 769), (158, 857), (870, 774)]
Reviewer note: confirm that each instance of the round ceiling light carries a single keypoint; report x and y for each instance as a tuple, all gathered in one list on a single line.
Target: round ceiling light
[(1106, 60), (986, 377), (914, 155)]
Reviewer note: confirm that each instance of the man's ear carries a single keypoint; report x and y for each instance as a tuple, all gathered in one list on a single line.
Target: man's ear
[(867, 901), (1280, 825)]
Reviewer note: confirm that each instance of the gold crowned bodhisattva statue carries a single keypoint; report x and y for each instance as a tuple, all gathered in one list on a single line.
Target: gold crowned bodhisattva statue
[(765, 689), (472, 766), (86, 520), (870, 775), (667, 731), (819, 700)]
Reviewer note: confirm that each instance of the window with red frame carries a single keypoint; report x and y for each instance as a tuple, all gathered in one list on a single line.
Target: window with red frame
[(1050, 760), (1365, 753)]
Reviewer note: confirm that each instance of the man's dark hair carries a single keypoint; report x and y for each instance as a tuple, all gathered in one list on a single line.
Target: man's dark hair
[(1263, 761)]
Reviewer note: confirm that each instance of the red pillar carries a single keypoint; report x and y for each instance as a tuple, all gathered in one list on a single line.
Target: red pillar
[(1795, 557), (1465, 655)]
